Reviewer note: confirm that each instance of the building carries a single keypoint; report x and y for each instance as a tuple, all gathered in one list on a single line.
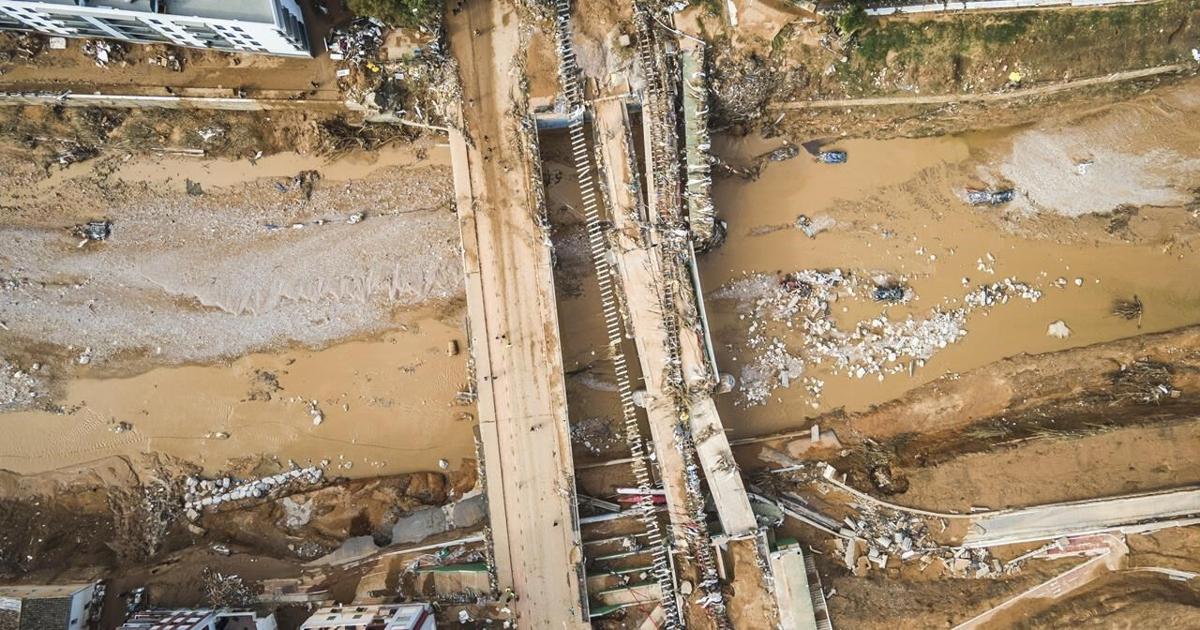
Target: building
[(375, 617), (273, 27), (203, 619), (49, 607)]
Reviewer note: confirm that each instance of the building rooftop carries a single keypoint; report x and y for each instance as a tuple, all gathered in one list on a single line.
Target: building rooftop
[(385, 616), (144, 6), (42, 591), (245, 10), (262, 11)]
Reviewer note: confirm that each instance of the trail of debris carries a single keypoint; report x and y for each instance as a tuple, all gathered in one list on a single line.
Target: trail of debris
[(801, 302)]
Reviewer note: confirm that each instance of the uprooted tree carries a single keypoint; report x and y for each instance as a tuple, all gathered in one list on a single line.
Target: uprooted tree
[(410, 13)]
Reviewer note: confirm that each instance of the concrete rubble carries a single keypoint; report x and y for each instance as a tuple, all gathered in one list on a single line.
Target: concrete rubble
[(877, 538), (201, 494), (802, 302)]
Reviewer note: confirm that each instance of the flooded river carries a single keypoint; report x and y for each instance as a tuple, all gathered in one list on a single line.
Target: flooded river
[(898, 211)]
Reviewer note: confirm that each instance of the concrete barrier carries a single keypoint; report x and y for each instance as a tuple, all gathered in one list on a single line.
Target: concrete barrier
[(133, 101), (962, 6)]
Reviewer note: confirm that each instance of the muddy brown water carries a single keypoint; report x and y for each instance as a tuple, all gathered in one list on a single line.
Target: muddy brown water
[(388, 399), (898, 209), (387, 404)]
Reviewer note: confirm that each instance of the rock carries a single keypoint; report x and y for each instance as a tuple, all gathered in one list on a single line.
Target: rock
[(295, 513), (469, 512), (419, 525), (1058, 330)]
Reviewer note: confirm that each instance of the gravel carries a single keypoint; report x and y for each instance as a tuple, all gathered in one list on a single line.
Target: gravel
[(18, 388)]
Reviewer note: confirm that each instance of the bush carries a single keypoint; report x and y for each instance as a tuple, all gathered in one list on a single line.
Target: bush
[(410, 13), (852, 20)]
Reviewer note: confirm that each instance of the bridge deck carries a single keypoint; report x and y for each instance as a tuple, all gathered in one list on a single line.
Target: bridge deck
[(514, 325)]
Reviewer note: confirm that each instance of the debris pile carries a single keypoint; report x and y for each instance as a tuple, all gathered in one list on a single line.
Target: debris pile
[(597, 434), (95, 230), (977, 197), (104, 52), (227, 591), (802, 302), (70, 152), (207, 493), (172, 61), (356, 42), (879, 537)]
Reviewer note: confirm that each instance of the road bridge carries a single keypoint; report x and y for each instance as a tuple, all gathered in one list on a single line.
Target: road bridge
[(513, 322)]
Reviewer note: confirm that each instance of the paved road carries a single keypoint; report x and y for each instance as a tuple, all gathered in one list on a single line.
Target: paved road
[(514, 325), (1045, 522)]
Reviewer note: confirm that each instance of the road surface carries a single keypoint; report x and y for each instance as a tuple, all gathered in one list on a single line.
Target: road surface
[(514, 324), (1046, 522)]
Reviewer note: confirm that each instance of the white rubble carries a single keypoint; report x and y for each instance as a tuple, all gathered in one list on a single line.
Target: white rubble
[(200, 494), (1058, 330), (802, 302)]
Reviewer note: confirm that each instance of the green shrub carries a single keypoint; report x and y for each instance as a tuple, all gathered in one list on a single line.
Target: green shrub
[(408, 13)]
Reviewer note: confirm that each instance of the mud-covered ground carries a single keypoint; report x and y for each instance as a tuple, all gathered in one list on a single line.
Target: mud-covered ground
[(245, 316)]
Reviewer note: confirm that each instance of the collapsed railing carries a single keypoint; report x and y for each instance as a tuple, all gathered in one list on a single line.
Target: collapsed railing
[(672, 245), (573, 92)]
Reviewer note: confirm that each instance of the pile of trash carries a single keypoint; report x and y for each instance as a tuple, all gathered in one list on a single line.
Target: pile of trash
[(977, 197), (802, 302), (227, 591), (357, 42), (104, 52), (207, 493)]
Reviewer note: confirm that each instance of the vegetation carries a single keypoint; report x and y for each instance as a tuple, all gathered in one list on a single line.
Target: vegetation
[(711, 7), (1128, 309), (852, 20), (408, 13)]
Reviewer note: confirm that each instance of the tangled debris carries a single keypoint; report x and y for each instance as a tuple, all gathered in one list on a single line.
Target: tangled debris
[(227, 591), (1143, 382), (1128, 309), (338, 136), (743, 85), (356, 42), (801, 302)]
